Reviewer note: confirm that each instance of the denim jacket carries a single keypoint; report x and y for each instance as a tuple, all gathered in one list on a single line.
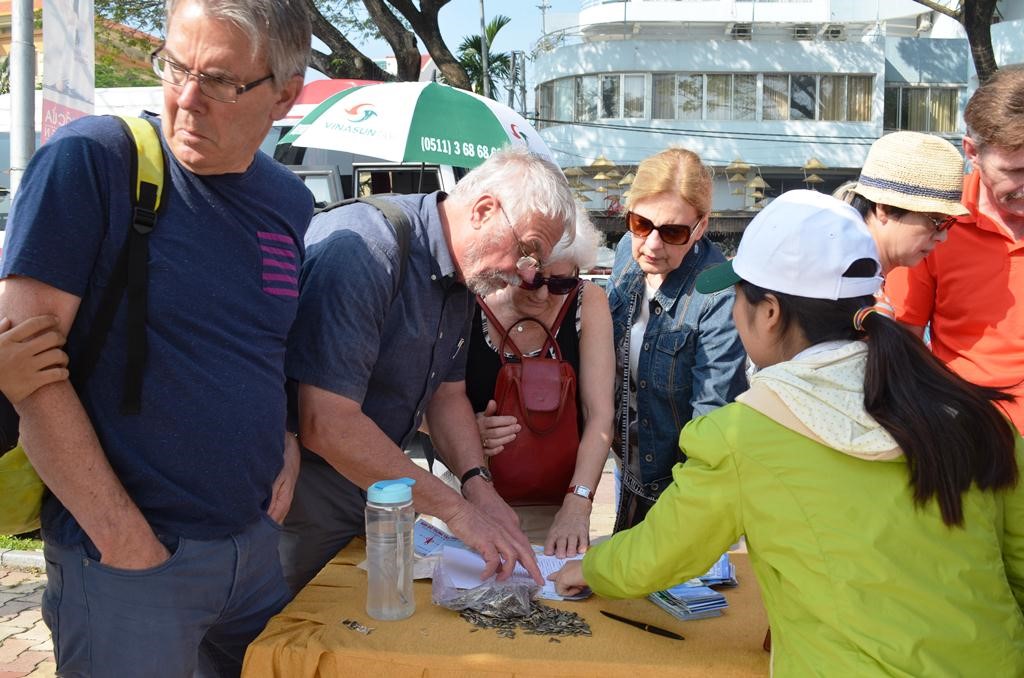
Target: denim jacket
[(691, 361)]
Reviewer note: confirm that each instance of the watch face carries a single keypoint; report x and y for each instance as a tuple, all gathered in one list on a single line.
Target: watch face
[(485, 473)]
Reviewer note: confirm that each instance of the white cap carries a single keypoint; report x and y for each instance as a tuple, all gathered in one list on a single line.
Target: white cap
[(801, 244)]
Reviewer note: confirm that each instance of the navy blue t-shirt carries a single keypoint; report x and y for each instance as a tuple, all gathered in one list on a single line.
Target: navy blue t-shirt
[(224, 261)]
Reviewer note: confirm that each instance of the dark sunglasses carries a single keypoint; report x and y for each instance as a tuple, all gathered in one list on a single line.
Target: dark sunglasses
[(671, 234), (941, 223), (556, 284)]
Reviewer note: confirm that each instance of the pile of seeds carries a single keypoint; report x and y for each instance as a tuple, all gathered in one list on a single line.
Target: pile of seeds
[(541, 621)]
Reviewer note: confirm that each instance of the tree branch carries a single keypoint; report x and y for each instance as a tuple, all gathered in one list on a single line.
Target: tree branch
[(943, 9), (424, 23), (402, 41), (345, 61)]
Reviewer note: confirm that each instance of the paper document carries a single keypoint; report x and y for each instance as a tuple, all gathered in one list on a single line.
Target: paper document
[(464, 568)]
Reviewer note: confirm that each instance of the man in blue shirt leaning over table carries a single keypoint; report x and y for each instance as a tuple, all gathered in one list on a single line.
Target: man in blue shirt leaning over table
[(376, 350)]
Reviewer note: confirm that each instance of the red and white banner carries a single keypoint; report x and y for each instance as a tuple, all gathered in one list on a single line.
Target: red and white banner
[(68, 63)]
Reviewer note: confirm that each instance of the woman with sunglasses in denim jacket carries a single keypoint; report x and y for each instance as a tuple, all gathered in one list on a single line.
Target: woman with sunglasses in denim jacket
[(678, 354), (585, 341)]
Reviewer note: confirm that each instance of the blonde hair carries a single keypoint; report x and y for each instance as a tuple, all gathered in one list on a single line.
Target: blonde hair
[(675, 171)]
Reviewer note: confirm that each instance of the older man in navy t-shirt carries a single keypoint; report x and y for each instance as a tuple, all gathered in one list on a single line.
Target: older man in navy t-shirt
[(161, 556)]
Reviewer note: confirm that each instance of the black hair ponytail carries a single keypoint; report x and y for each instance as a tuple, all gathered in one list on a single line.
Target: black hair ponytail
[(949, 430)]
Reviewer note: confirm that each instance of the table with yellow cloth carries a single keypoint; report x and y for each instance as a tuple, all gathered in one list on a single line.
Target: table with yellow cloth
[(308, 639)]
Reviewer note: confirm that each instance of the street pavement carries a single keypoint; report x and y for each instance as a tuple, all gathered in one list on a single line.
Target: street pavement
[(25, 647)]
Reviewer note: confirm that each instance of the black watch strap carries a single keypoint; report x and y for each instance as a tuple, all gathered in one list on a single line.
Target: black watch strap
[(481, 471)]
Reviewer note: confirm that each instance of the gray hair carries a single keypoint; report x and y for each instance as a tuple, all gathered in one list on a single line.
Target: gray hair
[(527, 185), (581, 251), (281, 29)]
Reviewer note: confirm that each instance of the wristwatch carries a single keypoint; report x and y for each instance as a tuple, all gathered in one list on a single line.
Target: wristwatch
[(581, 491), (482, 471)]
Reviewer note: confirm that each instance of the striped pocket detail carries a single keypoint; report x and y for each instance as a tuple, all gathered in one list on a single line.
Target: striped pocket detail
[(280, 274)]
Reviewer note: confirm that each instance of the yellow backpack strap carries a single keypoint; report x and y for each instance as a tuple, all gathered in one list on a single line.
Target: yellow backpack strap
[(148, 168)]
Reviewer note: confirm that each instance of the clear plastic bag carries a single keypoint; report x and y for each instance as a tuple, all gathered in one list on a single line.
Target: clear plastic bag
[(498, 599)]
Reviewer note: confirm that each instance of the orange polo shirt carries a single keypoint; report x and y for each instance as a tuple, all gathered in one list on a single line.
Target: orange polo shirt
[(971, 288)]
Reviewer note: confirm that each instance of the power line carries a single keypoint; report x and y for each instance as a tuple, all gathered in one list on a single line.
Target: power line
[(781, 137)]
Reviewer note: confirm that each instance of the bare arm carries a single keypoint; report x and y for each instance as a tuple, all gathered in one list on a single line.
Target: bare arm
[(62, 445), (335, 427), (570, 531)]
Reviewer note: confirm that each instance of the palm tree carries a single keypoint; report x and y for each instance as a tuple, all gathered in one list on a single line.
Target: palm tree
[(499, 65)]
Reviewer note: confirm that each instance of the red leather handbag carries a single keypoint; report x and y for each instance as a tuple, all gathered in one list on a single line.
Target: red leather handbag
[(540, 392)]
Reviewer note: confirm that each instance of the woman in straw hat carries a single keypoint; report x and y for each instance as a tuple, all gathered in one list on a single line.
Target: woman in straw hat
[(878, 491), (908, 194)]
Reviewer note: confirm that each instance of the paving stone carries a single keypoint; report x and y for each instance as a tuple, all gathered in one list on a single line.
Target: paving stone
[(10, 612), (27, 661), (45, 646), (38, 632), (26, 618), (36, 597), (47, 669), (11, 649)]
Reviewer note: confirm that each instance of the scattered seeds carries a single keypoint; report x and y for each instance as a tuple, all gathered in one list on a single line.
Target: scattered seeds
[(541, 621)]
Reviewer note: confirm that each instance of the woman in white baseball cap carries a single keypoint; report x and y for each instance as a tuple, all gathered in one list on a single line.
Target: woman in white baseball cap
[(877, 490), (909, 195)]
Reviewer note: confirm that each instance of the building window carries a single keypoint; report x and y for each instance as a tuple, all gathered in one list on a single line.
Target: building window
[(586, 98), (776, 98), (832, 98), (922, 109), (858, 101), (564, 99), (634, 96), (744, 97), (719, 93), (610, 98), (725, 96), (802, 90)]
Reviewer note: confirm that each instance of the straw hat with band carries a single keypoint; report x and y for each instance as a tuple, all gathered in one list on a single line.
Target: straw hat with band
[(801, 244), (914, 171)]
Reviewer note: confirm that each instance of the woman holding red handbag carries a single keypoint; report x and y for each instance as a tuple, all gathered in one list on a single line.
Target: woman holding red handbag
[(562, 323)]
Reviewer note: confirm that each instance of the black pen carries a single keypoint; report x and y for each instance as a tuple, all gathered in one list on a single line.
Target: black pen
[(646, 627)]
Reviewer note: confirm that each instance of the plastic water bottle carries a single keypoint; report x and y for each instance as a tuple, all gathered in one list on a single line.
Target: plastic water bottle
[(389, 549)]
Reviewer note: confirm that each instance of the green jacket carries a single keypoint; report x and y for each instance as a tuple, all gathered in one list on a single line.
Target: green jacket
[(856, 580)]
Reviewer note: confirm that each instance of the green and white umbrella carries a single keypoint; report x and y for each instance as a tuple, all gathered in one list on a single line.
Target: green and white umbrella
[(415, 122)]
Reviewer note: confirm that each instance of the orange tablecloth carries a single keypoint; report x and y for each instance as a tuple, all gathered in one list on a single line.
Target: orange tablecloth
[(307, 638)]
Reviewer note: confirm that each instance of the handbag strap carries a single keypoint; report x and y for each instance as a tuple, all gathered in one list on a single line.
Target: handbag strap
[(550, 343)]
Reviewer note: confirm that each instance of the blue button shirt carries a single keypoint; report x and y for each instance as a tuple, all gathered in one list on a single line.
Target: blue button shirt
[(363, 334)]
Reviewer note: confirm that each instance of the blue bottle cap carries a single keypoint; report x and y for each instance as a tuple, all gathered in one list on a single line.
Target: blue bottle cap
[(391, 491)]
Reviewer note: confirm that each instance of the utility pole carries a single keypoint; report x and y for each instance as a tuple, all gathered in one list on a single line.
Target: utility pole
[(544, 7), (483, 53), (23, 91)]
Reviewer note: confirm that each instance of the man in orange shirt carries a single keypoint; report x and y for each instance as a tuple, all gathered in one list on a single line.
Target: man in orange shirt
[(971, 289)]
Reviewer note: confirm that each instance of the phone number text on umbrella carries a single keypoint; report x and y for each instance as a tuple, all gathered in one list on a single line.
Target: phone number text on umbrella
[(463, 148)]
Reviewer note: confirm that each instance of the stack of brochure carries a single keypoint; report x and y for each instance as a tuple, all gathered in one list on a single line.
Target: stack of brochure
[(695, 599)]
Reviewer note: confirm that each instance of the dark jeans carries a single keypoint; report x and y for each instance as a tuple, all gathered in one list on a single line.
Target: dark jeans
[(192, 615)]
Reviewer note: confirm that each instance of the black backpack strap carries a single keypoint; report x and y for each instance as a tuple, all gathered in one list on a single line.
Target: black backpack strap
[(395, 216), (131, 272), (400, 223)]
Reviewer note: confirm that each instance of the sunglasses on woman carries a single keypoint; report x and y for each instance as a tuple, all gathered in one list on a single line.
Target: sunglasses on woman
[(556, 284), (941, 223), (671, 234)]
